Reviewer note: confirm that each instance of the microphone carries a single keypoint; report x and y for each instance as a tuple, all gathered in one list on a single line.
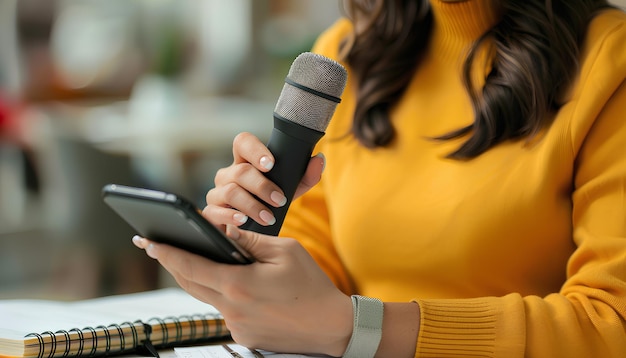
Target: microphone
[(311, 92)]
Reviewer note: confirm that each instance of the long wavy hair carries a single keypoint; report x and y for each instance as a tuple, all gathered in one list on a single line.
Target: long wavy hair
[(536, 58)]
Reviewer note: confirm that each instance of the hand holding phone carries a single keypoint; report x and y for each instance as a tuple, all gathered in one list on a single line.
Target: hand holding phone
[(171, 219)]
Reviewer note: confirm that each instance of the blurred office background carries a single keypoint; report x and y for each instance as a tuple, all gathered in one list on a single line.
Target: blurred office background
[(139, 92)]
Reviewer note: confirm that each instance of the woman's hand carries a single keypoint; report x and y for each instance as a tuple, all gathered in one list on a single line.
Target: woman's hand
[(283, 302), (232, 201)]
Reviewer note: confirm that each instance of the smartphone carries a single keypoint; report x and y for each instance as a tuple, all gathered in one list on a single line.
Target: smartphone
[(171, 219)]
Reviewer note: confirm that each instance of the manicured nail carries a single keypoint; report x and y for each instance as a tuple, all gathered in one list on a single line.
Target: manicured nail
[(278, 198), (267, 217), (152, 251), (267, 163), (321, 155), (138, 241), (240, 218)]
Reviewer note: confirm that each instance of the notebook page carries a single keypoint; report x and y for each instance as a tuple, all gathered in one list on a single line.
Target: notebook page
[(230, 351), (21, 317)]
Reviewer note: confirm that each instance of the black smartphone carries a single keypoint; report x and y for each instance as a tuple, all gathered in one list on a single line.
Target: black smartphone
[(171, 219)]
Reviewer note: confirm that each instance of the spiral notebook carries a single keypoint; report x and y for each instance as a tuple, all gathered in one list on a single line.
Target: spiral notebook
[(140, 322)]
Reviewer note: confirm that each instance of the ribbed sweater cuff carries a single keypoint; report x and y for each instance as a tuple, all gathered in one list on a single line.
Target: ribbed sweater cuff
[(471, 327)]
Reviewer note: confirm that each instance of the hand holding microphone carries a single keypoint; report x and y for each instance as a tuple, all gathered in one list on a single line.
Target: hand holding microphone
[(308, 100)]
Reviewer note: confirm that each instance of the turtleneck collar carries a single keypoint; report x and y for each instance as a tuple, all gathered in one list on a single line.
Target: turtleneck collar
[(458, 24)]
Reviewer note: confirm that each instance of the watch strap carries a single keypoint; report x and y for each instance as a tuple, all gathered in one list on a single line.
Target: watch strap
[(368, 327)]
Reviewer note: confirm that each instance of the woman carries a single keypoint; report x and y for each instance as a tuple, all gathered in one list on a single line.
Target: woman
[(475, 183)]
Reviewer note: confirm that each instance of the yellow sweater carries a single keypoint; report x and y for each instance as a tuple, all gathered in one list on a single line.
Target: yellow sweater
[(519, 252)]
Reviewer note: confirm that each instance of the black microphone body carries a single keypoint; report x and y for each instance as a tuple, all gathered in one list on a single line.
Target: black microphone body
[(308, 100), (292, 146)]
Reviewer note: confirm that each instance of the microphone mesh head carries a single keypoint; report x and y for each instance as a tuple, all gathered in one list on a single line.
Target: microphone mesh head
[(309, 109)]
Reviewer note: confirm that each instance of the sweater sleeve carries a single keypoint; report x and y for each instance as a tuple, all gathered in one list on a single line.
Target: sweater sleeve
[(587, 318), (307, 219)]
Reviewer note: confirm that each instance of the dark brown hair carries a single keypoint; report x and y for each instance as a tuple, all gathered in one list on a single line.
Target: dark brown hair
[(536, 49)]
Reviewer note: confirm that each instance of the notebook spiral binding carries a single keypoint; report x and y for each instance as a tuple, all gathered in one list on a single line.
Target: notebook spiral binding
[(117, 338)]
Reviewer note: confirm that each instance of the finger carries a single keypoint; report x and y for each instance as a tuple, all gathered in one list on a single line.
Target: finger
[(247, 148), (199, 291), (140, 242), (312, 175), (262, 247), (232, 195), (221, 216), (251, 180), (185, 266), (182, 277)]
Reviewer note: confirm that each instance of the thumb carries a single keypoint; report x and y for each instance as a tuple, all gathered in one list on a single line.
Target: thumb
[(312, 175), (256, 244)]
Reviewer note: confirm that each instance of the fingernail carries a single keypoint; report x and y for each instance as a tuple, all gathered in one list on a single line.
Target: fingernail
[(152, 251), (138, 241), (267, 163), (267, 217), (278, 198), (321, 155), (240, 218)]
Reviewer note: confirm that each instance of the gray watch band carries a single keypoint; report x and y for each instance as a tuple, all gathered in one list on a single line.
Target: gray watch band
[(368, 327)]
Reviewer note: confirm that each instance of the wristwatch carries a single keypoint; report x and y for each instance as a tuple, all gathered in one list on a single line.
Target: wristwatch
[(367, 327)]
